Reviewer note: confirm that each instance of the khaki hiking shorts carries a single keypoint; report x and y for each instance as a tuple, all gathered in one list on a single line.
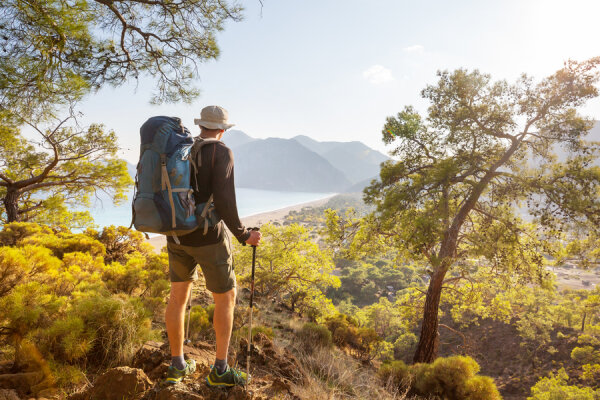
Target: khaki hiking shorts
[(214, 259)]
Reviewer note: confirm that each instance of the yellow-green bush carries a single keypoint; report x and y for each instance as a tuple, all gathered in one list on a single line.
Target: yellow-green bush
[(362, 342), (591, 373), (66, 242), (585, 355), (395, 374), (120, 324), (14, 232), (314, 335), (200, 326), (265, 330), (405, 344), (120, 243), (24, 264), (62, 306), (555, 387), (451, 378)]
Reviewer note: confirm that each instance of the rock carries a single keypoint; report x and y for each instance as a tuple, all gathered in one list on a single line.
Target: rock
[(177, 392), (202, 356), (149, 356), (5, 366), (280, 385), (50, 393), (159, 372), (8, 394), (238, 393), (21, 382), (121, 383), (263, 353)]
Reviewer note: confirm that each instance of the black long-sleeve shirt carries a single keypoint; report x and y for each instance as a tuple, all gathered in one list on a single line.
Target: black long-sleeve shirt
[(215, 176)]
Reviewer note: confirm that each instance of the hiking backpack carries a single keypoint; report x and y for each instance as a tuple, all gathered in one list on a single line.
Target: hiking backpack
[(163, 200)]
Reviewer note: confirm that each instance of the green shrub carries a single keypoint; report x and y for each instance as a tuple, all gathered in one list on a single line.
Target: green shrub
[(451, 378), (120, 242), (28, 307), (362, 342), (447, 375), (200, 326), (479, 388), (24, 264), (404, 345), (555, 387), (395, 374), (66, 242), (314, 335), (210, 310), (585, 355), (591, 373), (67, 339), (265, 330), (120, 324), (14, 232)]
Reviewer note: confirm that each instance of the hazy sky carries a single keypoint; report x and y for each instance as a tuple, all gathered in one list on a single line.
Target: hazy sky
[(334, 69)]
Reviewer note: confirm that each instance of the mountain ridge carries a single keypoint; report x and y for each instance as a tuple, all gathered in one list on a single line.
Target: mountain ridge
[(329, 165)]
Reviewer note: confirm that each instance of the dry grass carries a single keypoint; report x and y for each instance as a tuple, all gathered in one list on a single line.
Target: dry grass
[(333, 375)]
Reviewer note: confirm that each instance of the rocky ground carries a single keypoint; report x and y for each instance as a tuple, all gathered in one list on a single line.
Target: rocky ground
[(275, 372)]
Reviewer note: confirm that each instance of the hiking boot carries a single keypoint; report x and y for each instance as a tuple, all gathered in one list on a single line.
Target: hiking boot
[(175, 375), (230, 377)]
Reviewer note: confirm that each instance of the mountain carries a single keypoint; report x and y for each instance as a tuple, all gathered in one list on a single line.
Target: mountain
[(355, 159), (359, 186), (233, 138), (594, 133), (563, 152), (285, 165)]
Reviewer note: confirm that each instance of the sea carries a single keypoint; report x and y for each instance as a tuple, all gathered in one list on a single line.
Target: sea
[(249, 202)]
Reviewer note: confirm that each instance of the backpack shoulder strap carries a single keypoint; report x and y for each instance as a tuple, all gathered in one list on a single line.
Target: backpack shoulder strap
[(195, 156)]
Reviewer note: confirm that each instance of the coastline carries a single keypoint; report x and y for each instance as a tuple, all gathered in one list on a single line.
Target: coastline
[(159, 241)]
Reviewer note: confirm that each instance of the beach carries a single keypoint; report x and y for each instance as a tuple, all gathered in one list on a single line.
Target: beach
[(158, 242)]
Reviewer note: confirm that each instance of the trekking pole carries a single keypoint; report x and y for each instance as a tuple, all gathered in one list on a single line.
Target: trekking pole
[(251, 303), (189, 310)]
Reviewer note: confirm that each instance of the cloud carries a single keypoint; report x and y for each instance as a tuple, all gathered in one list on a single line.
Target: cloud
[(417, 48), (378, 74)]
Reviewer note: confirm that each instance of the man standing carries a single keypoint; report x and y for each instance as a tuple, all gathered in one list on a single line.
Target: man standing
[(211, 250)]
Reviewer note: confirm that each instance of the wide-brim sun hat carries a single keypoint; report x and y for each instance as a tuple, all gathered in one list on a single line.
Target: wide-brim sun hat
[(213, 117)]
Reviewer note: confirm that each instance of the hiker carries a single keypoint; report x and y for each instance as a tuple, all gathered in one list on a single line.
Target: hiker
[(211, 249)]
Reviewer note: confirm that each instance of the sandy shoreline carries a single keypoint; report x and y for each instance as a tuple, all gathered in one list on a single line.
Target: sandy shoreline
[(158, 242)]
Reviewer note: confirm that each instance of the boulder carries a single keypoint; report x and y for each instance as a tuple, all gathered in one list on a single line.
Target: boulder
[(121, 383), (150, 356), (50, 393), (177, 392), (263, 353), (21, 382), (238, 393), (8, 394), (202, 356)]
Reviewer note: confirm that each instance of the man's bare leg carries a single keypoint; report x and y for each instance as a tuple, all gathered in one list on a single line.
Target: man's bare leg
[(175, 316), (223, 321)]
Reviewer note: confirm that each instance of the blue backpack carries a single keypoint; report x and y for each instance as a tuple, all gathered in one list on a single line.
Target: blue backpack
[(163, 200)]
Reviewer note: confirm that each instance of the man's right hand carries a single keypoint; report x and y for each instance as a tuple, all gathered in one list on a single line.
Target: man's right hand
[(254, 238)]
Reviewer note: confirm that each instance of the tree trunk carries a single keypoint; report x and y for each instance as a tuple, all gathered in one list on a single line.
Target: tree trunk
[(11, 205), (428, 340), (583, 322)]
